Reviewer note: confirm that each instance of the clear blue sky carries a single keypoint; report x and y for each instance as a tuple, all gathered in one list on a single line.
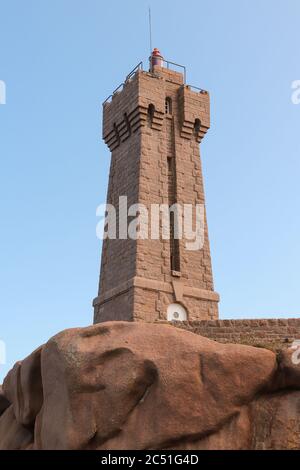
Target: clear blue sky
[(59, 60)]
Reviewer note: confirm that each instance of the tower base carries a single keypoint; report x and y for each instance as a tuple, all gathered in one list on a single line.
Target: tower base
[(141, 299)]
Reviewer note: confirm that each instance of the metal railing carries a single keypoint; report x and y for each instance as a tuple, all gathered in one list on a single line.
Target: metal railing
[(168, 62), (192, 87), (138, 67), (107, 100)]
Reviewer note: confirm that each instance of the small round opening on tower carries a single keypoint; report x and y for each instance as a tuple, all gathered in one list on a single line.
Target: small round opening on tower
[(176, 312)]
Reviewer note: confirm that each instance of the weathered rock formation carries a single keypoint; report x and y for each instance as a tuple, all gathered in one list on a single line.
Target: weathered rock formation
[(121, 385)]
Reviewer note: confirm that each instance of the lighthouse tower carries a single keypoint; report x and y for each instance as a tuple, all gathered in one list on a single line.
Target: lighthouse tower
[(153, 125)]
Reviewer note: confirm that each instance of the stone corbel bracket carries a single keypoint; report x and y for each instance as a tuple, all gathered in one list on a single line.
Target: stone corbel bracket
[(195, 113), (128, 109)]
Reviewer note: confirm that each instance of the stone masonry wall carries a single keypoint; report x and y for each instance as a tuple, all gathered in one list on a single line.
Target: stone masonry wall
[(270, 333), (156, 160)]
